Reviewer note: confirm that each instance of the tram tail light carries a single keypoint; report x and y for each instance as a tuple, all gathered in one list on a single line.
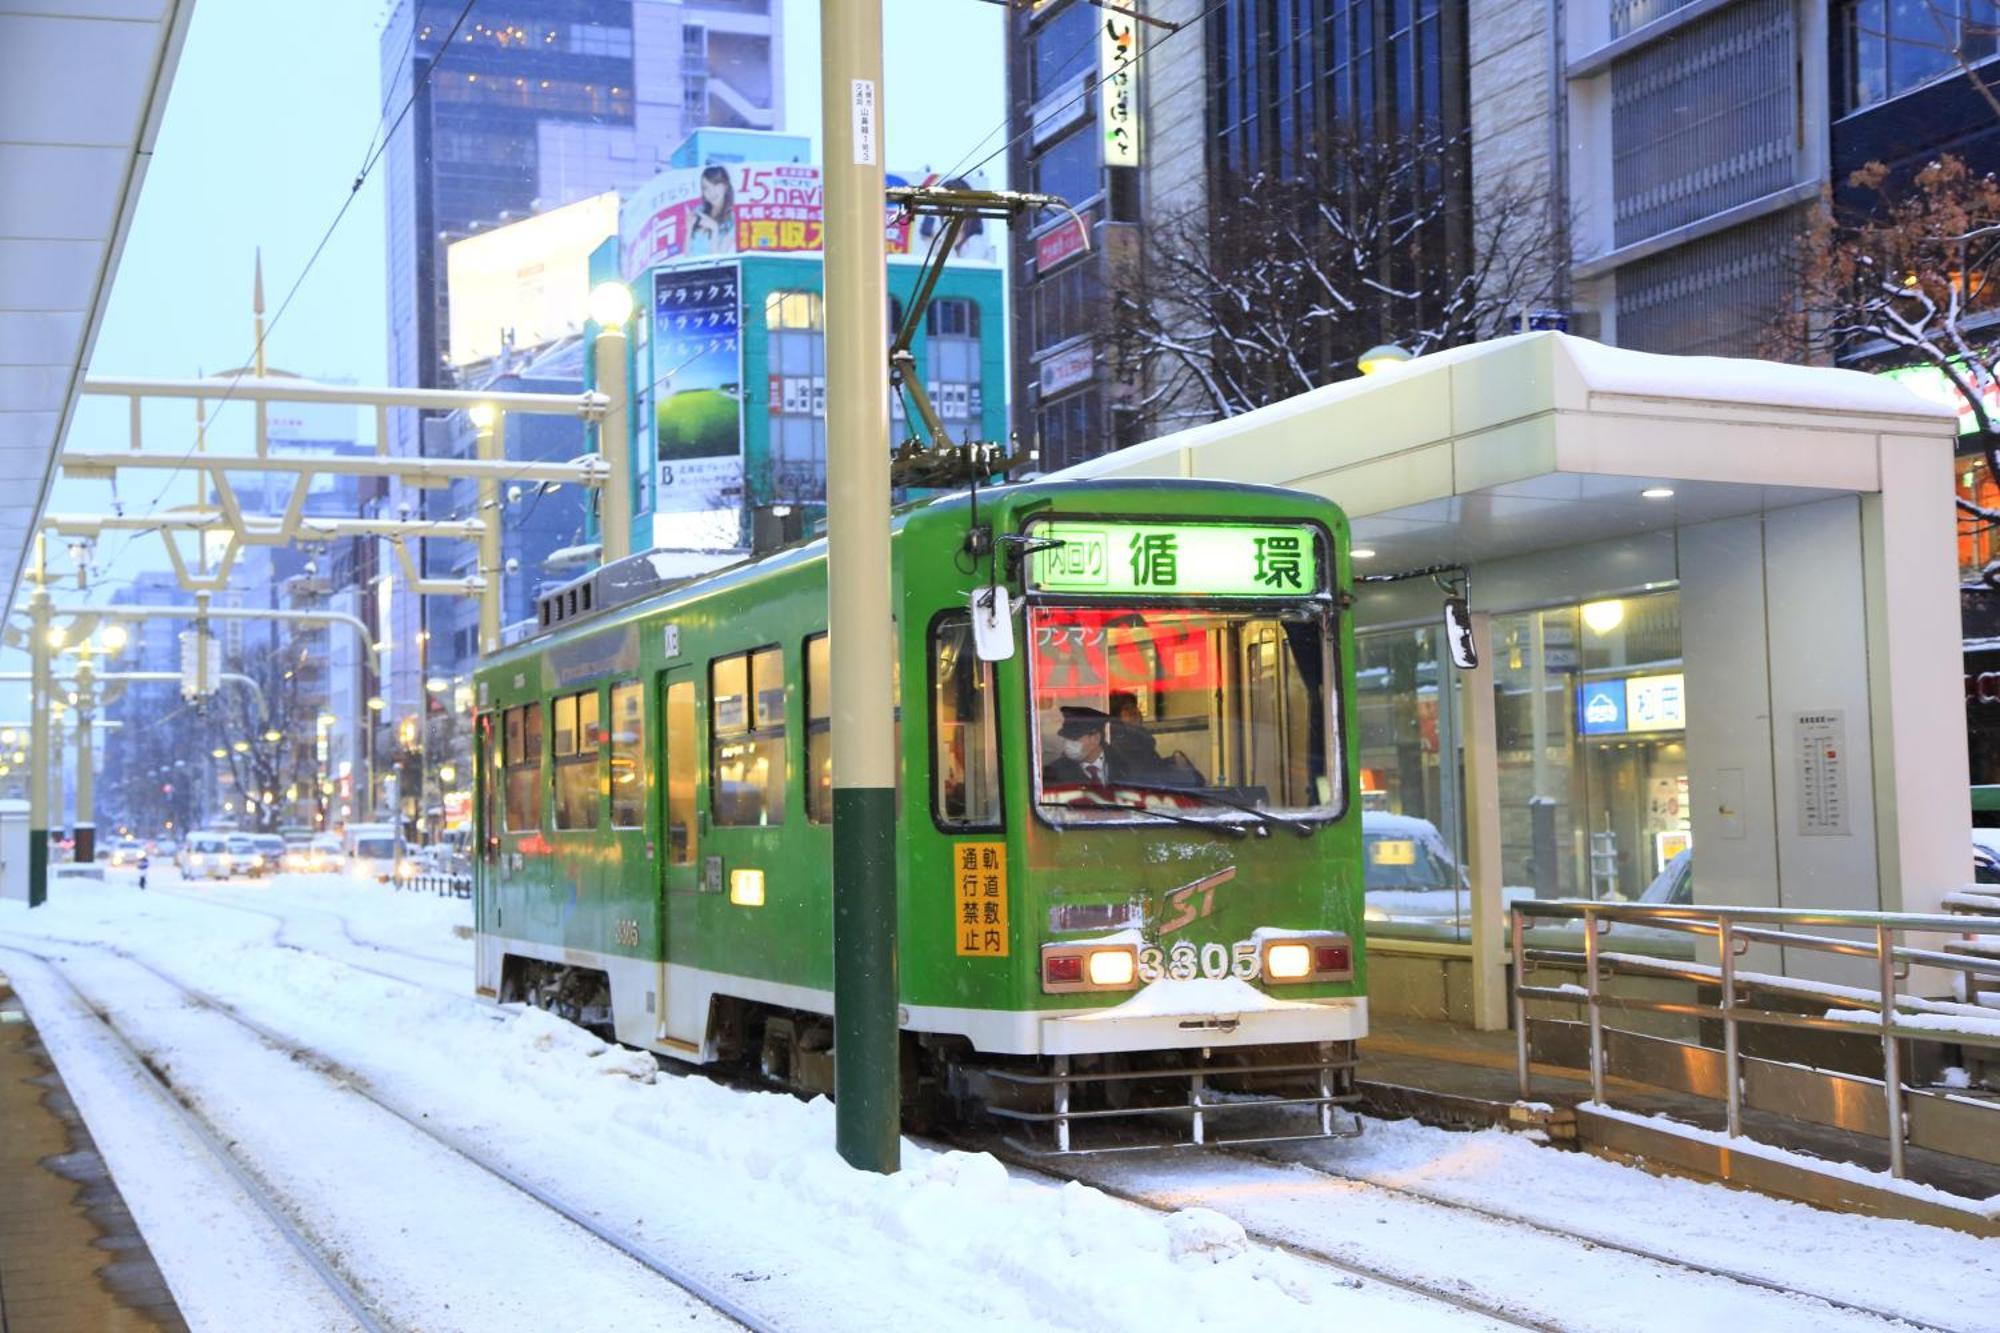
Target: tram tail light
[(1058, 969), (1089, 967), (1320, 955)]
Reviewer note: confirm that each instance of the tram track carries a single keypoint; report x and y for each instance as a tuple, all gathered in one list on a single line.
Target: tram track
[(346, 931), (1439, 1292), (205, 1133), (1592, 1240), (352, 1081), (1513, 1313)]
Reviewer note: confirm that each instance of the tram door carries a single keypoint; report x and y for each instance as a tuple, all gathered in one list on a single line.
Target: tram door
[(680, 824)]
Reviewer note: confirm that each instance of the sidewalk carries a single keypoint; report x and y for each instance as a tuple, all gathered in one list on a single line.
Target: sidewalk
[(70, 1256)]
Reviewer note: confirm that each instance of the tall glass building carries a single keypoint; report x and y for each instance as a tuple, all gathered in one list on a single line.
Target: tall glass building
[(529, 105)]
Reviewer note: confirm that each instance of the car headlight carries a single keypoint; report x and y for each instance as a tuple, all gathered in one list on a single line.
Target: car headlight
[(1084, 967)]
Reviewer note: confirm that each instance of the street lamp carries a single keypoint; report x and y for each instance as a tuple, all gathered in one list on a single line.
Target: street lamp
[(113, 638), (610, 304)]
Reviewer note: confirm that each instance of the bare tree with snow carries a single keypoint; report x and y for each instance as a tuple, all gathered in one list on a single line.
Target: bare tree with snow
[(1906, 272), (1280, 282)]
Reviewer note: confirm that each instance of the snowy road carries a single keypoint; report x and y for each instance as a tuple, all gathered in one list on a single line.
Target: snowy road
[(743, 1192)]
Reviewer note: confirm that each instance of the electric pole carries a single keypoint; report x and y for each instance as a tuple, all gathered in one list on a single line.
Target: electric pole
[(867, 1091)]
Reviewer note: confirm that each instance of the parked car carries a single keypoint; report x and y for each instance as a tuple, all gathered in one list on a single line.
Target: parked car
[(205, 856)]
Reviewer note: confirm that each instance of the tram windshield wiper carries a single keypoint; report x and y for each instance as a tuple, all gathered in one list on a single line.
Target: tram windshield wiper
[(1100, 802), (1303, 827)]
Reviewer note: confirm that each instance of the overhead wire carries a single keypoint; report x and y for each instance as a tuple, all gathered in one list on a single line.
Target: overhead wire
[(379, 145)]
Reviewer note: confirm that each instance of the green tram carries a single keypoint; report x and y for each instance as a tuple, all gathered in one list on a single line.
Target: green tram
[(1130, 862)]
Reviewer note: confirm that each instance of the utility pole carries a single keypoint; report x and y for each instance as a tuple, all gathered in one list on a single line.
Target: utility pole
[(867, 1085), (38, 728)]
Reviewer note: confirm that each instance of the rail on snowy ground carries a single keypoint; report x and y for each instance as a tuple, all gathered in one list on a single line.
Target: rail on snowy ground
[(1958, 1119)]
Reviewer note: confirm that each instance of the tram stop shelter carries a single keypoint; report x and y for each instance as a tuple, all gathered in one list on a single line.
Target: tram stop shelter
[(1716, 605)]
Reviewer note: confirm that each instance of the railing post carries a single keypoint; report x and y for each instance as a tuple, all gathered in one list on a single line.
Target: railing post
[(1521, 1061), (1726, 939), (1596, 1015), (1892, 1058)]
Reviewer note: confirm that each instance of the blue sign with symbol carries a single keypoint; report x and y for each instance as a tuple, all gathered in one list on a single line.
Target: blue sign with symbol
[(1600, 707)]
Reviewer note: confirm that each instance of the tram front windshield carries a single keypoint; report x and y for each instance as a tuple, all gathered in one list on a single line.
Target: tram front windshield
[(1177, 713)]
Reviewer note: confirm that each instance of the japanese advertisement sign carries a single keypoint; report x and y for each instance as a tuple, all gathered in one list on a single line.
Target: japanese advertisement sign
[(1201, 559), (1118, 88), (697, 389), (754, 208), (979, 876)]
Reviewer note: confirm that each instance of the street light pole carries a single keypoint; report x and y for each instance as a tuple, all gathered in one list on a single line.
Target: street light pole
[(611, 307), (38, 728), (492, 449), (867, 1091)]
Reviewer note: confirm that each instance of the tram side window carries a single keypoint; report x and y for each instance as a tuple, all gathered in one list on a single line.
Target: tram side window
[(522, 758), (575, 726), (628, 755), (819, 727), (965, 738), (746, 693)]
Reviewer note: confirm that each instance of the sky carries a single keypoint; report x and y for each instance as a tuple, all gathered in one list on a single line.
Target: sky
[(272, 112)]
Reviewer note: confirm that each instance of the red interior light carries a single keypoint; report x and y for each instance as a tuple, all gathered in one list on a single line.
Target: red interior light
[(1063, 967), (1332, 958)]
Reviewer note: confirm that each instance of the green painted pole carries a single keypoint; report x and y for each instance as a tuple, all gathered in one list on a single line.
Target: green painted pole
[(866, 1078)]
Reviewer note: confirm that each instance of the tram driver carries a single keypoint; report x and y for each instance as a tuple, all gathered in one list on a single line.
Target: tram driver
[(1086, 760)]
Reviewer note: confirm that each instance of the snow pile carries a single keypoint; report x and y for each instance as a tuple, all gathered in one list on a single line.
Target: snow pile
[(744, 1189)]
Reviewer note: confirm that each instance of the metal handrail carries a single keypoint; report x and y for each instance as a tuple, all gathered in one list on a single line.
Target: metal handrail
[(1733, 932)]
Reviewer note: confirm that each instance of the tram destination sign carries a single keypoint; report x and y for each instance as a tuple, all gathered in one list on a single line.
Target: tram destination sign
[(1195, 559)]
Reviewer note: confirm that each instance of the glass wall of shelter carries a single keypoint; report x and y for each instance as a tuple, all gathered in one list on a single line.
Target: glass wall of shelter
[(1590, 720)]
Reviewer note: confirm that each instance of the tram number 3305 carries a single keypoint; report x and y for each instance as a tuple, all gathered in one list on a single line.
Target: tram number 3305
[(1214, 960)]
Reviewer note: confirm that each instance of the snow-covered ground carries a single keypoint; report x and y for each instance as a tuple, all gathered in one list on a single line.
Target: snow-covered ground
[(744, 1191)]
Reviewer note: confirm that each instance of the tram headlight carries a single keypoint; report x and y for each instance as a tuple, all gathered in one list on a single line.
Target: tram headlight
[(1288, 962), (1112, 967), (1319, 955)]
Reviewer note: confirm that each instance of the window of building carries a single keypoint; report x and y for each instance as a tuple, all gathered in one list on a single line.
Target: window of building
[(1069, 167), (965, 733), (1068, 304), (522, 763), (1888, 47), (574, 719), (1063, 46), (747, 738), (591, 39), (1590, 721), (1411, 823), (952, 316), (628, 755), (1070, 429), (794, 310)]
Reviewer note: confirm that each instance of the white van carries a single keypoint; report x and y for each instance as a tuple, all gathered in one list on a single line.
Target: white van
[(371, 850)]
